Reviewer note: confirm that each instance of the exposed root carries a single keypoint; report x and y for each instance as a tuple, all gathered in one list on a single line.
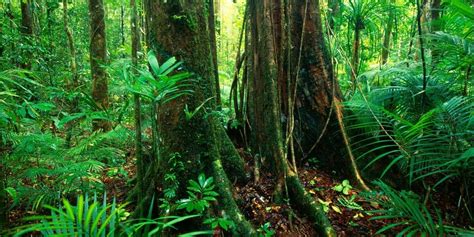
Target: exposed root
[(233, 163), (227, 204), (307, 205)]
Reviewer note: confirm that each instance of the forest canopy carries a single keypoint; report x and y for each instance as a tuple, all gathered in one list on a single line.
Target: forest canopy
[(236, 118)]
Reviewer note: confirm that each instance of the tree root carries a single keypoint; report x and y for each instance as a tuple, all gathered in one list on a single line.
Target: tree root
[(232, 162), (227, 204), (307, 205)]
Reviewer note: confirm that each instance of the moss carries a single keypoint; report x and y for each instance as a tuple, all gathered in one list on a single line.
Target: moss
[(227, 204), (233, 163), (306, 204)]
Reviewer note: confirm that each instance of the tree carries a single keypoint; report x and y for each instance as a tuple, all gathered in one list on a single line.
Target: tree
[(212, 32), (74, 82), (388, 32), (98, 58), (176, 28), (135, 33), (273, 74), (26, 17)]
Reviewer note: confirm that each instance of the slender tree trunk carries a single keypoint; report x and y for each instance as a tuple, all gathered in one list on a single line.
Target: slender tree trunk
[(141, 169), (201, 141), (74, 82), (98, 59), (122, 24), (422, 53), (355, 55), (26, 27), (26, 17), (388, 33), (212, 32)]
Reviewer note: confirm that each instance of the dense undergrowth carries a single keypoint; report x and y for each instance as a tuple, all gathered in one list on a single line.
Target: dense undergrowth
[(410, 123)]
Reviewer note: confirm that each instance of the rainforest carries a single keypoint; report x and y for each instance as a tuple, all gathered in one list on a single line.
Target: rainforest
[(236, 118)]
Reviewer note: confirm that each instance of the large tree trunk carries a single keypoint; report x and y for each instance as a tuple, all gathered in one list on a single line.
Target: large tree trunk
[(98, 58), (268, 48), (316, 123), (201, 142)]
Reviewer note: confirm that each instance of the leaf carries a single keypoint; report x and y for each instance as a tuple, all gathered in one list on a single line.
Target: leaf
[(338, 188), (155, 66), (345, 190), (336, 209)]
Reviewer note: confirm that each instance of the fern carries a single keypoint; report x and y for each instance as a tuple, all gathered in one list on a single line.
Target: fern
[(407, 213)]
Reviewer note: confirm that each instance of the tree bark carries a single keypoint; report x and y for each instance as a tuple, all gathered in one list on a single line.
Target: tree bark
[(355, 55), (388, 34), (212, 32), (141, 168), (74, 81), (26, 17), (26, 28), (201, 141), (98, 58), (268, 44)]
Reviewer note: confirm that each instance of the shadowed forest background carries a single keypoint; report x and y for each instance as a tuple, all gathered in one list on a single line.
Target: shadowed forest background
[(236, 118)]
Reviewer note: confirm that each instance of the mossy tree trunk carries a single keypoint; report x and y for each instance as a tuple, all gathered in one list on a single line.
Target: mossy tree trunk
[(212, 31), (98, 58), (264, 103), (269, 47), (180, 29), (318, 127)]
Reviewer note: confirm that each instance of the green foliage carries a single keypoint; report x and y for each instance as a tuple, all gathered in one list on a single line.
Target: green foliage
[(200, 193), (190, 114), (162, 83), (171, 182), (405, 209), (350, 203), (84, 219), (91, 218), (223, 223), (343, 187), (265, 230)]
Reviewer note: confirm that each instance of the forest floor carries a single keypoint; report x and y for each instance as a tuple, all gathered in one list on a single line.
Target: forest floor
[(347, 221), (350, 213), (255, 201)]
